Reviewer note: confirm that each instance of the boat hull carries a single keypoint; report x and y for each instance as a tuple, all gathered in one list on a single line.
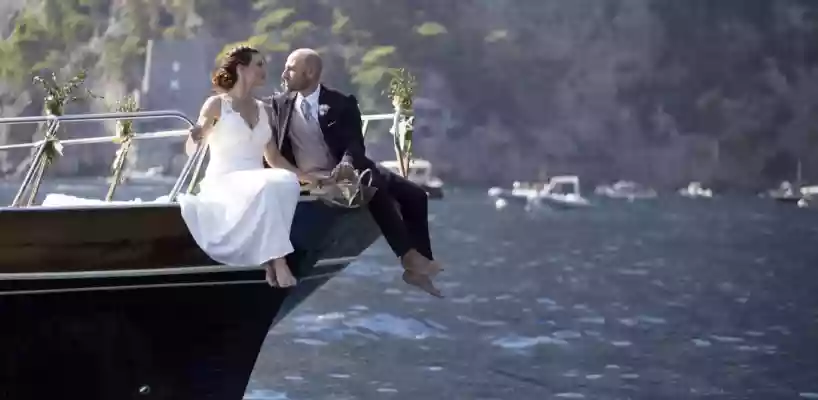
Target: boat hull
[(787, 199), (119, 303), (434, 192), (563, 204), (133, 340), (508, 196)]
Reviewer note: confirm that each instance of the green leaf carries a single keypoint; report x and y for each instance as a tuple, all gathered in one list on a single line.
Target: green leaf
[(339, 21), (273, 20), (376, 54), (257, 40), (431, 29), (497, 35), (259, 5), (370, 77), (277, 46), (297, 29)]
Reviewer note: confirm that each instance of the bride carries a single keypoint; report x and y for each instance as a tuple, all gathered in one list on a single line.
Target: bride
[(243, 211)]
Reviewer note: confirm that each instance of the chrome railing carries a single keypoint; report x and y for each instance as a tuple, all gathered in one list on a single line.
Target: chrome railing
[(56, 121), (191, 167), (374, 117)]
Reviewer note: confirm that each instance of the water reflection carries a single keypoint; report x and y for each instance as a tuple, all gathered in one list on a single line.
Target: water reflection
[(624, 303), (375, 326)]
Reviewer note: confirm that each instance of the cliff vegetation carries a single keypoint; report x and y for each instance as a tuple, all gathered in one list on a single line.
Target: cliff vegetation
[(658, 91)]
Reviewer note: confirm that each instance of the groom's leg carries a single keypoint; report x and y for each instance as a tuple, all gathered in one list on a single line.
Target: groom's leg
[(414, 208), (386, 215)]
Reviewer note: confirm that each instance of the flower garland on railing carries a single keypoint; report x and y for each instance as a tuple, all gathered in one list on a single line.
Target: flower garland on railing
[(124, 137), (56, 98), (402, 92)]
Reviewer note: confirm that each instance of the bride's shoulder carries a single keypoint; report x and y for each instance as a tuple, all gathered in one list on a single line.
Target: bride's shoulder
[(212, 107)]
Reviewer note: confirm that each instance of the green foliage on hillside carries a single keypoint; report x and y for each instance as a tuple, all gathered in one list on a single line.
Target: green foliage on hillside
[(579, 83)]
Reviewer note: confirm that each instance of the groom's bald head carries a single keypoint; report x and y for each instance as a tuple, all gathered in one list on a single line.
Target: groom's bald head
[(303, 70), (311, 59)]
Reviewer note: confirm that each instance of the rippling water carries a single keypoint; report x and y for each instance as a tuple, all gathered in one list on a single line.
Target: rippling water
[(665, 299)]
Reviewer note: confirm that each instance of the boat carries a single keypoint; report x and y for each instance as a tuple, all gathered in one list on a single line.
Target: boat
[(538, 194), (420, 172), (521, 193), (785, 193), (797, 194), (806, 196), (625, 190), (116, 300), (554, 194), (695, 190)]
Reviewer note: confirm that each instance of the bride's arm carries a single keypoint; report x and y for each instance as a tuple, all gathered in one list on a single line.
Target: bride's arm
[(271, 153), (275, 159), (211, 109)]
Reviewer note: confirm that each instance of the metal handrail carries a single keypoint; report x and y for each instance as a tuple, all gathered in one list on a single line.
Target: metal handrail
[(102, 139), (190, 165), (373, 117), (376, 117), (97, 117), (35, 164), (138, 115)]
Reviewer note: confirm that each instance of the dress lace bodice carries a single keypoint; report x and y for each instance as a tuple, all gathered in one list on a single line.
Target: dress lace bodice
[(233, 145)]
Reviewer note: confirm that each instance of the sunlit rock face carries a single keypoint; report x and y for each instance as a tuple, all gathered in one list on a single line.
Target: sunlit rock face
[(647, 90)]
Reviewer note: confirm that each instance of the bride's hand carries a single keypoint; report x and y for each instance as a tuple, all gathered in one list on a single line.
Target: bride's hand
[(308, 180), (196, 133), (305, 177)]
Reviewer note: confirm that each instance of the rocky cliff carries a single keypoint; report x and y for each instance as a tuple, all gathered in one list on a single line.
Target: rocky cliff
[(649, 90)]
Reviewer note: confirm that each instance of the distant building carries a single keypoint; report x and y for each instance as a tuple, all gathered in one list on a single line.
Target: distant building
[(177, 77)]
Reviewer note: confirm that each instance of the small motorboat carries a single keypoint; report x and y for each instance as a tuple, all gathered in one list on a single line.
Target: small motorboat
[(695, 190), (555, 194), (539, 194), (520, 193), (420, 172), (626, 190), (785, 193)]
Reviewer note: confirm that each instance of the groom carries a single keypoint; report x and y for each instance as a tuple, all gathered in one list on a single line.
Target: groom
[(319, 132)]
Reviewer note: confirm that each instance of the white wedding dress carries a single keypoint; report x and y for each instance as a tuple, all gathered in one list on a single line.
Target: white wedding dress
[(243, 211)]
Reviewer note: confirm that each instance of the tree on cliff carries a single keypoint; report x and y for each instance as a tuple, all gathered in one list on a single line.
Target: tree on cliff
[(606, 89)]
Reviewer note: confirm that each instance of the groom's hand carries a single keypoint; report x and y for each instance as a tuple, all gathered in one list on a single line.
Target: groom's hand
[(344, 171)]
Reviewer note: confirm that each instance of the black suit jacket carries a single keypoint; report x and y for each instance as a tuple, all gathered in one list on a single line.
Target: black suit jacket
[(341, 125)]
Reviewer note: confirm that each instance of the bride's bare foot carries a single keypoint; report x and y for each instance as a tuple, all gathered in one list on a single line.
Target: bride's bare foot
[(270, 275), (421, 282), (283, 276)]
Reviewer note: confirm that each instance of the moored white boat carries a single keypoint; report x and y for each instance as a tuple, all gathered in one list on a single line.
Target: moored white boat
[(539, 194), (625, 190), (421, 173), (695, 190)]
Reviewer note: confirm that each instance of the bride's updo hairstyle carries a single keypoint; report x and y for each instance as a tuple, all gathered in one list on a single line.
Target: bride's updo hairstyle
[(226, 76)]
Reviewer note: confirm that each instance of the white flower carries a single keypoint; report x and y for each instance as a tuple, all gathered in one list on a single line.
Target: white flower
[(58, 147), (405, 125), (322, 109)]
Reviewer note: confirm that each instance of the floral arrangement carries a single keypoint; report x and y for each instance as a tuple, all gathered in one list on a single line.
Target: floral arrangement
[(57, 96), (124, 137), (402, 92)]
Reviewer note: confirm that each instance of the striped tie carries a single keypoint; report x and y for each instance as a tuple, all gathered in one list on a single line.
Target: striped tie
[(306, 110)]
